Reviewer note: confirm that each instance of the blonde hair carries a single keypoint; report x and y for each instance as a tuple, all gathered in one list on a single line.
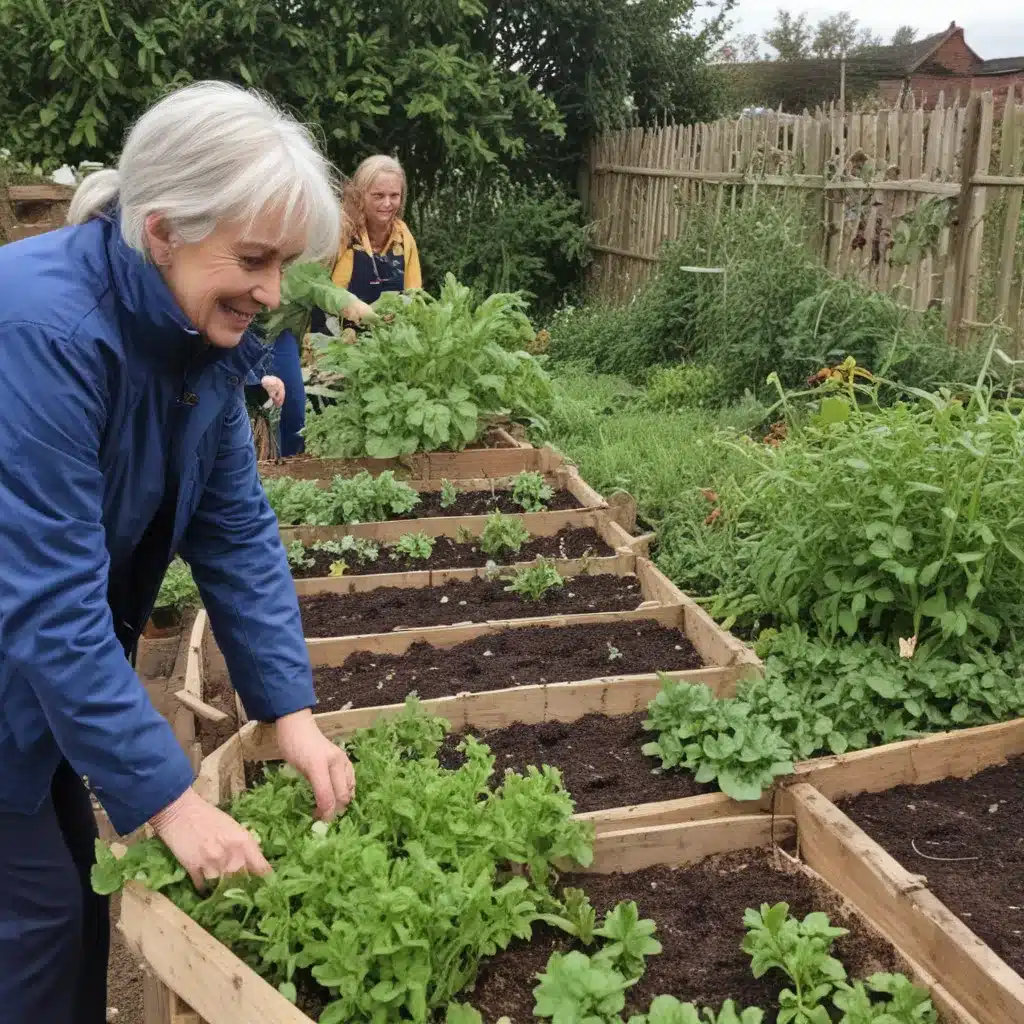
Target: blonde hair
[(358, 187), (212, 152)]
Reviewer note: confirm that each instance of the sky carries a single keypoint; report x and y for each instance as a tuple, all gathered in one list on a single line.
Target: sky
[(992, 29)]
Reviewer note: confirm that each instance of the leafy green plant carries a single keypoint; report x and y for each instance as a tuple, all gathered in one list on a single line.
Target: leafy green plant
[(577, 916), (503, 535), (428, 375), (689, 384), (429, 870), (576, 987), (305, 287), (297, 557), (415, 546), (800, 949), (904, 1002), (338, 568), (632, 940), (449, 494), (356, 499), (892, 522), (178, 590), (534, 581), (358, 547), (718, 740), (531, 492)]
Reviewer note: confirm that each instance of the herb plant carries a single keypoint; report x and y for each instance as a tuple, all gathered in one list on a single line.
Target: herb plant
[(503, 535), (534, 581), (356, 547), (416, 546), (428, 871), (530, 491), (297, 556), (428, 375)]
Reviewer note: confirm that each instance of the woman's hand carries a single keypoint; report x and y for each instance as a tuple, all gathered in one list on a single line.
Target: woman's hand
[(358, 311), (274, 388), (207, 843), (323, 763)]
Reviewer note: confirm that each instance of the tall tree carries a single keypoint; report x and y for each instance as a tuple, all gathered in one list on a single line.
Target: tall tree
[(842, 34), (904, 35), (742, 49), (790, 35)]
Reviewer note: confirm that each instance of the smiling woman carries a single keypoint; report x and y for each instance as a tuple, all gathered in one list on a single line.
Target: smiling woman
[(124, 440)]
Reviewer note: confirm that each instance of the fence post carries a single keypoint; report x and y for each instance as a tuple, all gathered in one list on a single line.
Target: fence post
[(962, 232)]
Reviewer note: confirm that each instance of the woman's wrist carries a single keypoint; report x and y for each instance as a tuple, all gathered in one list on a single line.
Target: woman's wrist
[(174, 810)]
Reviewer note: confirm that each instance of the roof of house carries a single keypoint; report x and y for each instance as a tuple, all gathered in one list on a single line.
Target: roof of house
[(1000, 66), (916, 56)]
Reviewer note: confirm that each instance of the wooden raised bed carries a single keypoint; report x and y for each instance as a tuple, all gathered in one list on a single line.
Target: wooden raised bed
[(725, 657), (189, 968), (27, 210), (498, 454)]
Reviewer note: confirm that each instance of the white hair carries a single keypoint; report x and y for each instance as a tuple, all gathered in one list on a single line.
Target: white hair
[(213, 152)]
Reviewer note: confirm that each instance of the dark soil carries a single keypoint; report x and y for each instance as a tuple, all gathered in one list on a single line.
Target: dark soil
[(218, 693), (599, 757), (513, 657), (699, 914), (482, 503), (966, 837), (479, 600), (124, 976), (449, 554)]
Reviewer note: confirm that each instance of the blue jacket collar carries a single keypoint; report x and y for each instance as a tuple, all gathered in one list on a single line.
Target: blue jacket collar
[(166, 332)]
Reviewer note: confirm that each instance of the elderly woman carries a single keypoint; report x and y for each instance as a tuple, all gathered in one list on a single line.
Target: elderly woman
[(124, 347)]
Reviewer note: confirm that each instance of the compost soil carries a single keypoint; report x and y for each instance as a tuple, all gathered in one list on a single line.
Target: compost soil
[(512, 657), (218, 693), (482, 503), (584, 542), (479, 600), (964, 836), (600, 759), (699, 915), (124, 976)]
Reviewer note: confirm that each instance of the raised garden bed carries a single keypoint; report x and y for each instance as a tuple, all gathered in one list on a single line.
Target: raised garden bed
[(568, 544), (387, 608), (607, 645), (497, 454), (695, 880)]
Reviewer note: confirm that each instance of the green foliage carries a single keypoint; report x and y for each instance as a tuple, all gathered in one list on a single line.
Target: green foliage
[(497, 235), (357, 499), (531, 492), (449, 494), (429, 374), (503, 535), (688, 385), (417, 546), (305, 287), (297, 556), (577, 988), (770, 306), (391, 907), (357, 547), (178, 590), (802, 951), (632, 940), (377, 77), (532, 582), (817, 698), (577, 917), (899, 521), (718, 740)]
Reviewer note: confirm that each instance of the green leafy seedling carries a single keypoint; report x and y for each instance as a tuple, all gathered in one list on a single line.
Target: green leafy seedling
[(530, 491), (534, 581), (416, 546), (503, 535), (632, 939), (449, 494)]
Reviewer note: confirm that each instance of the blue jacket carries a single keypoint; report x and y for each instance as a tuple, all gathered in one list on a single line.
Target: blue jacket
[(107, 395)]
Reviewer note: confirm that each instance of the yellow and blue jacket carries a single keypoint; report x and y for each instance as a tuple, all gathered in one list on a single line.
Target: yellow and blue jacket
[(367, 275)]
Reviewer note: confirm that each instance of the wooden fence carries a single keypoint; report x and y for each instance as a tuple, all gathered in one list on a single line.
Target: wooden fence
[(32, 209), (875, 177)]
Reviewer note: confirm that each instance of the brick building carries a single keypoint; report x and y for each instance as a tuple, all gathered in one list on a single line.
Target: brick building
[(942, 63)]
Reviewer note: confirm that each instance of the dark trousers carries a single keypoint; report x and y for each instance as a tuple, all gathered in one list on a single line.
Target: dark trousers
[(54, 931)]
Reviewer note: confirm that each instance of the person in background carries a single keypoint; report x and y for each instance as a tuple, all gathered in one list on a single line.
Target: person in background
[(380, 254), (124, 440)]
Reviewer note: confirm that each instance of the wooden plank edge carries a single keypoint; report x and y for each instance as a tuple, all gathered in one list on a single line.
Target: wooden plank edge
[(214, 982), (900, 906), (530, 705), (200, 708), (194, 665)]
